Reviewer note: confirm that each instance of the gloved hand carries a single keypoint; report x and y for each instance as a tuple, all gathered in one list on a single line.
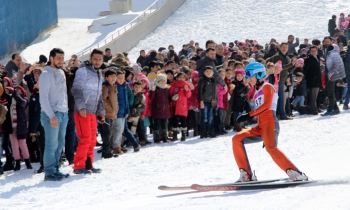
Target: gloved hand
[(175, 97), (244, 118)]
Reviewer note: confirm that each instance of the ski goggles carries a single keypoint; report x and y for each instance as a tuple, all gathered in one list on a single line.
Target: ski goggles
[(251, 73)]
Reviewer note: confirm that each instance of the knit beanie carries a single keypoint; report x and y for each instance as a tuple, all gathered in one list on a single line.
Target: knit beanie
[(239, 71), (278, 65), (301, 61), (194, 74), (161, 77), (141, 77), (136, 68)]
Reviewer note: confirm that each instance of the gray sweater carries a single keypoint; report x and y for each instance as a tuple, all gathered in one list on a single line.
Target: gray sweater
[(53, 91)]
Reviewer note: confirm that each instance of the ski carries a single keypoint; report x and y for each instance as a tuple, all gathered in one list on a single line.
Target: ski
[(261, 186), (164, 187)]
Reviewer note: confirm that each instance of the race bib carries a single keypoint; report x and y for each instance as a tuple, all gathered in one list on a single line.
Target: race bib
[(259, 101)]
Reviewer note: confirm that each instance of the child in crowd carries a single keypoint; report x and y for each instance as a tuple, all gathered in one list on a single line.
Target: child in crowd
[(110, 102), (161, 98), (207, 97), (300, 90), (228, 106), (16, 125), (153, 68), (137, 107), (145, 117), (180, 91), (219, 119), (238, 98)]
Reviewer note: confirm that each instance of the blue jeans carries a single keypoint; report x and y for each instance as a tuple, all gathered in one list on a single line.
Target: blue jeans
[(206, 117), (347, 96), (54, 141), (280, 102), (300, 99), (70, 138)]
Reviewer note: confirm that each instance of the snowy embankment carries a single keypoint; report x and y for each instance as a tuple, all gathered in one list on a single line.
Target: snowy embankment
[(319, 146), (72, 33), (227, 21)]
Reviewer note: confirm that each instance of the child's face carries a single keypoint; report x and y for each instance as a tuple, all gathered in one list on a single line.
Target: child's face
[(19, 91), (239, 77), (182, 77), (297, 64), (208, 73), (170, 76), (188, 75), (162, 82), (120, 79), (299, 78), (137, 88), (144, 73), (239, 66), (229, 74), (143, 84), (111, 79), (223, 74)]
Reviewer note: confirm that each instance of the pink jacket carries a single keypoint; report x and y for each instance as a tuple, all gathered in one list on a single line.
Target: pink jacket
[(221, 93)]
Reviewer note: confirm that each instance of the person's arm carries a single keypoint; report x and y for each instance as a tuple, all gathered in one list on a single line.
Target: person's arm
[(30, 83), (77, 89), (296, 44), (45, 86), (105, 100), (268, 91), (218, 78), (200, 88), (22, 102), (141, 107), (329, 64), (34, 117), (100, 108)]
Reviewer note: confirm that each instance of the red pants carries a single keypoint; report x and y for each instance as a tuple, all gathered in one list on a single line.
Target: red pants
[(266, 131), (86, 131)]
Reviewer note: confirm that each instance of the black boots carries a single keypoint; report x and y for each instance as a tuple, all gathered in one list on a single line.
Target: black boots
[(18, 165), (183, 135), (195, 131), (156, 136), (9, 164), (107, 154), (28, 164), (175, 132)]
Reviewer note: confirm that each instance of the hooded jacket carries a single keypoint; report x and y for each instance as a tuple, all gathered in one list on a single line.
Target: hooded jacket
[(178, 87), (110, 100), (87, 89), (334, 64)]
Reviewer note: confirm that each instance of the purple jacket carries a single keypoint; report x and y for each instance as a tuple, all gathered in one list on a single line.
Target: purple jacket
[(161, 99)]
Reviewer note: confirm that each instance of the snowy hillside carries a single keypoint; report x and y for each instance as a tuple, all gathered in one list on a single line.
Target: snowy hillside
[(319, 146), (226, 21), (72, 33)]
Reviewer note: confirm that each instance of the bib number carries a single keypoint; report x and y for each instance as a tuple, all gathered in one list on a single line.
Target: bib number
[(259, 101)]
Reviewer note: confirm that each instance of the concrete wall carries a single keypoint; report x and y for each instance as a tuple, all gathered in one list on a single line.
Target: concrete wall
[(21, 21), (130, 38)]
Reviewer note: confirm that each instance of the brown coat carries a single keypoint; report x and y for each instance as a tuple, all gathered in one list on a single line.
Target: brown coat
[(110, 100)]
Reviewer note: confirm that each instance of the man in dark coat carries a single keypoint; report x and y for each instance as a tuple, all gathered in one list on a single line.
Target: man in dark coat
[(332, 25), (209, 60), (151, 57), (347, 72), (313, 77), (13, 65)]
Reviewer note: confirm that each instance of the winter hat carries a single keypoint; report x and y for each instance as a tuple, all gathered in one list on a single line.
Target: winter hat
[(304, 49), (169, 71), (9, 89), (195, 74), (278, 65), (161, 77), (235, 49), (141, 77), (136, 68), (251, 60), (301, 61), (23, 90), (239, 71)]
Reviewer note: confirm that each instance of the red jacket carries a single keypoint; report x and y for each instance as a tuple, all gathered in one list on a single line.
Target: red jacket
[(228, 82), (177, 87)]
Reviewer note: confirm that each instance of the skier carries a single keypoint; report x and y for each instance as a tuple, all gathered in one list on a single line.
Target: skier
[(267, 129)]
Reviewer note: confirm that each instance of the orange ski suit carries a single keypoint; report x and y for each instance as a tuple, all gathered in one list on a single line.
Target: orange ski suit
[(267, 131)]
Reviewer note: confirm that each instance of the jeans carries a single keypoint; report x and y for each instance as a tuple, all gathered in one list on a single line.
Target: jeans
[(141, 130), (86, 131), (117, 132), (330, 88), (206, 117), (70, 137), (299, 99), (347, 34), (280, 102), (55, 139), (313, 92), (128, 134), (347, 96), (219, 121)]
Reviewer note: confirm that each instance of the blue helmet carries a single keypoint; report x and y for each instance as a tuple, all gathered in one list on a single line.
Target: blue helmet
[(255, 68)]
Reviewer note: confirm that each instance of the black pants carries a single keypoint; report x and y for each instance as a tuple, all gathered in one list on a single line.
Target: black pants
[(106, 134), (141, 130), (191, 119), (40, 140), (313, 92), (330, 85), (70, 138), (179, 119), (160, 132)]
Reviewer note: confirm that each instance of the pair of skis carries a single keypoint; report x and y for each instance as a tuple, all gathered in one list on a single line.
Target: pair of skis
[(253, 185)]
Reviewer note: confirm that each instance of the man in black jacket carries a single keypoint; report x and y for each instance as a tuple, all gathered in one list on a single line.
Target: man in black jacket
[(313, 77), (209, 60), (332, 25), (347, 72)]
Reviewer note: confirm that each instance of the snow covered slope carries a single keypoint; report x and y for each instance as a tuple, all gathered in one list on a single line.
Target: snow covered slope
[(226, 21), (74, 18), (319, 146)]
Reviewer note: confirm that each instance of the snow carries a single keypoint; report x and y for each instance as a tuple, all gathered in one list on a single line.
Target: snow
[(227, 21), (317, 145), (72, 33)]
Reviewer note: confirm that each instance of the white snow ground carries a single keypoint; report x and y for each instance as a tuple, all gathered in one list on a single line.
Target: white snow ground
[(319, 146), (227, 21), (72, 33)]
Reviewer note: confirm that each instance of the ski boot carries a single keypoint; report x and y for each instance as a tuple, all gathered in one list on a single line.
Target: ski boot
[(245, 177), (296, 175)]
